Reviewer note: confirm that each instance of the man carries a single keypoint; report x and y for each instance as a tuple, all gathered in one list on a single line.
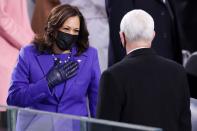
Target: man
[(167, 41), (144, 88)]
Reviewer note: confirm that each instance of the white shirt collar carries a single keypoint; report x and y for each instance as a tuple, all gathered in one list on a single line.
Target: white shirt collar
[(135, 49)]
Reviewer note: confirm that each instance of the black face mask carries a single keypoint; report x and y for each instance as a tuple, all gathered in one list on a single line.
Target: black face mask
[(65, 41)]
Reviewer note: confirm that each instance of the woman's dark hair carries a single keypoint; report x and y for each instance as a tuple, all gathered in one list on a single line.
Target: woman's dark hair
[(57, 17)]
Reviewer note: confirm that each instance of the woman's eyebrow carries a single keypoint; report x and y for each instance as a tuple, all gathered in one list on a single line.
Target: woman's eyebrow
[(66, 26)]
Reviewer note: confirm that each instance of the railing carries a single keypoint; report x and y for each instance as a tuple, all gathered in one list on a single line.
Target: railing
[(25, 119)]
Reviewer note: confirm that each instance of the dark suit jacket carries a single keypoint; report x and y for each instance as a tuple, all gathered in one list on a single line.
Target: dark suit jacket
[(167, 40), (146, 89), (191, 69)]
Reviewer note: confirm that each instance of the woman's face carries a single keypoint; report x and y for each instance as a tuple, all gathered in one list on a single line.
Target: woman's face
[(71, 26)]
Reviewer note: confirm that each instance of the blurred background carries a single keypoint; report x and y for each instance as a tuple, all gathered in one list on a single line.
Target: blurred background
[(20, 20)]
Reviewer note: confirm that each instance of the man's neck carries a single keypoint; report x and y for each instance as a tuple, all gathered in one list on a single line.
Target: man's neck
[(135, 49), (136, 45)]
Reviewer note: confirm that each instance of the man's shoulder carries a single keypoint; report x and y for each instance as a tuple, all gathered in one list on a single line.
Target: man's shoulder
[(169, 68), (145, 61), (170, 63), (117, 68)]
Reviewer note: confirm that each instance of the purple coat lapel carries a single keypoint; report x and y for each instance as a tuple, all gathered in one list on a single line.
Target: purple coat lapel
[(45, 62), (73, 80)]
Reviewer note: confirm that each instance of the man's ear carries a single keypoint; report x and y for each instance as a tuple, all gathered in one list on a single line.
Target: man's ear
[(122, 38), (153, 34)]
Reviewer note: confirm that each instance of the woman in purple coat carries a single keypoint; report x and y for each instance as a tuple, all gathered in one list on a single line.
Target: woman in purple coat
[(58, 71)]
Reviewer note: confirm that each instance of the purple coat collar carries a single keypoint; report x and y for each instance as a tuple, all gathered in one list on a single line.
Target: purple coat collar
[(46, 62)]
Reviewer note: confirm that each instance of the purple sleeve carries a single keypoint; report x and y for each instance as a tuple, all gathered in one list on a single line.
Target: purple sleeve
[(22, 92)]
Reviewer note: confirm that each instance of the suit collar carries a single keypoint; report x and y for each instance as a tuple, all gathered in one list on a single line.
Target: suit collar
[(142, 51), (135, 49), (45, 62)]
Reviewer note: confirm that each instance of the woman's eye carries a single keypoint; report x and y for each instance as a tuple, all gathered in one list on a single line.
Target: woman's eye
[(77, 31), (66, 29)]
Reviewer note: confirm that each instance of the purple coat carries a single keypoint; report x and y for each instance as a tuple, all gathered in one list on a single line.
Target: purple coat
[(29, 87)]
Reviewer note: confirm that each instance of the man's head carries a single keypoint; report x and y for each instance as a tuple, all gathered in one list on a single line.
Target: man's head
[(137, 29)]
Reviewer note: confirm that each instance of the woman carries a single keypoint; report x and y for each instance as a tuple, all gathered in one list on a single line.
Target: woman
[(59, 69)]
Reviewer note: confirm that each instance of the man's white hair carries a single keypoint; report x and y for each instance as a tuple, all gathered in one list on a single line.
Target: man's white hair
[(137, 25)]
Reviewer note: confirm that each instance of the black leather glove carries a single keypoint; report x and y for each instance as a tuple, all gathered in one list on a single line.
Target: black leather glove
[(61, 72)]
